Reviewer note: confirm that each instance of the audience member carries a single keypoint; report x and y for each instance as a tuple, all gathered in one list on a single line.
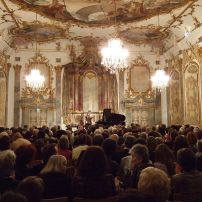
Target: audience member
[(13, 197), (187, 179), (32, 188), (56, 183), (154, 182), (93, 180), (7, 171)]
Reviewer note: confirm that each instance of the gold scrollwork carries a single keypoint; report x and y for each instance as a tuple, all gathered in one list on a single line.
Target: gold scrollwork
[(47, 92), (200, 51), (131, 92)]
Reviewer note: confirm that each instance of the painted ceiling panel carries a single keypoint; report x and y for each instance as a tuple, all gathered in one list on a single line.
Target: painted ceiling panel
[(158, 23)]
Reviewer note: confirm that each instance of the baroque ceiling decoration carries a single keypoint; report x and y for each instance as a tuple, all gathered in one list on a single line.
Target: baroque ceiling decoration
[(144, 34), (100, 12), (76, 20), (40, 32)]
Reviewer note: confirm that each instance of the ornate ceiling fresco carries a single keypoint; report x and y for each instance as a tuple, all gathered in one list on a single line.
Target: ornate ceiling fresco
[(40, 32), (101, 11), (157, 23), (139, 35)]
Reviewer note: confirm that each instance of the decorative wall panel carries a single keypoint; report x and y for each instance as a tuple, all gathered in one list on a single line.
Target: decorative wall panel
[(3, 99), (38, 107), (175, 96), (140, 102), (185, 88), (191, 94)]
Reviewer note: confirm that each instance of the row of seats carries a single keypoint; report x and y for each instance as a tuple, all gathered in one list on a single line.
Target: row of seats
[(187, 197), (66, 199)]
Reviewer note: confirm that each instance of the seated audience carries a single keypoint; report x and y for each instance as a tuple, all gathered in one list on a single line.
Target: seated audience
[(192, 140), (179, 143), (165, 157), (82, 146), (93, 179), (128, 143), (63, 147), (135, 196), (13, 197), (155, 183), (32, 188), (187, 179), (98, 140), (24, 159), (7, 171), (199, 156), (4, 141), (139, 161), (109, 147), (56, 183), (151, 144)]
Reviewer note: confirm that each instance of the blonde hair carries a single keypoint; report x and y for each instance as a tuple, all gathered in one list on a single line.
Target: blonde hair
[(56, 163), (154, 182), (7, 162)]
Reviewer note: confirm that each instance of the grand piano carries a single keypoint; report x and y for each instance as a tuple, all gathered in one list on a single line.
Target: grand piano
[(110, 119)]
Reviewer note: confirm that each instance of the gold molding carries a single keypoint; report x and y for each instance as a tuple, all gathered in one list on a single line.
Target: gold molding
[(131, 93), (48, 91), (200, 51), (58, 69)]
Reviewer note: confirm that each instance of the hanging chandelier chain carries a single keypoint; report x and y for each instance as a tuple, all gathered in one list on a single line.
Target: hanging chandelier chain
[(114, 56), (36, 33), (35, 80)]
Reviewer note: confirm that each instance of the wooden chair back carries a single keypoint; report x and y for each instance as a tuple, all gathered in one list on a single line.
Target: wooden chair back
[(62, 199), (108, 199), (187, 197)]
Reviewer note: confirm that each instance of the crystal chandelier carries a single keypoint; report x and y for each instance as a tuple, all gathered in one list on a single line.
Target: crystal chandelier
[(160, 80), (35, 80), (114, 56)]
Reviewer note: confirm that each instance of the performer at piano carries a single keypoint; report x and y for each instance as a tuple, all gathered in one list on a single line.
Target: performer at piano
[(89, 118)]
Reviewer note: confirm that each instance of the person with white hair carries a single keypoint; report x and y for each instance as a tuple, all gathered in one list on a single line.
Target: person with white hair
[(154, 182), (7, 171), (56, 183)]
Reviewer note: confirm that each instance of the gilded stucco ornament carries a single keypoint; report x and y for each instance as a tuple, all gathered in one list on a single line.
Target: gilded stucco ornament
[(47, 92), (102, 12), (139, 71)]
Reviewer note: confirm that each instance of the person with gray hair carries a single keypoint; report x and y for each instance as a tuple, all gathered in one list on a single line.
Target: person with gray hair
[(7, 171), (154, 182), (139, 161)]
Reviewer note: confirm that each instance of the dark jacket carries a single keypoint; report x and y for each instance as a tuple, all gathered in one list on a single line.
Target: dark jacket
[(7, 183), (56, 185), (94, 187), (187, 182)]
